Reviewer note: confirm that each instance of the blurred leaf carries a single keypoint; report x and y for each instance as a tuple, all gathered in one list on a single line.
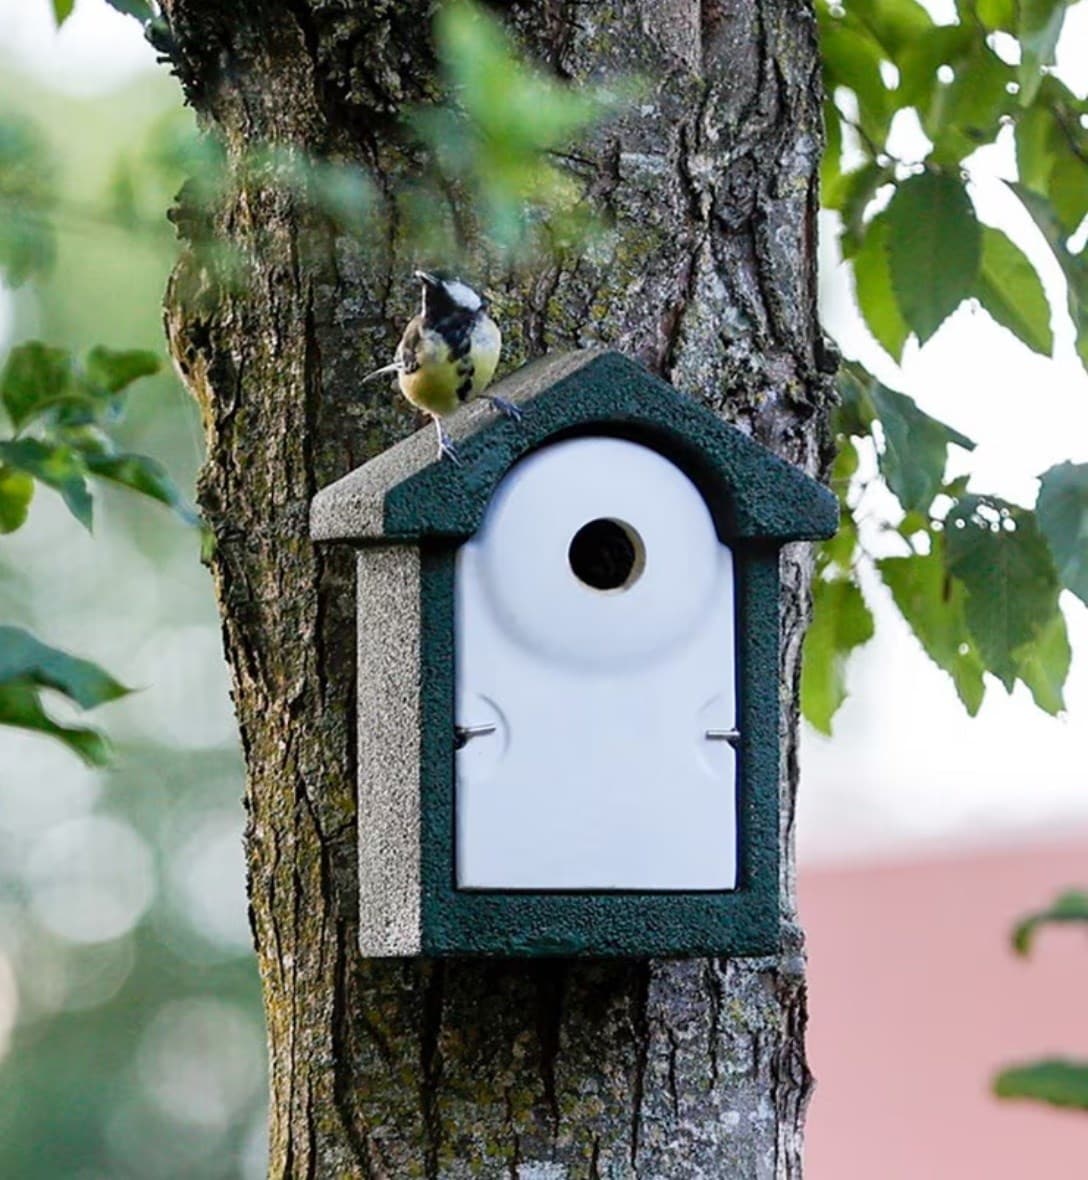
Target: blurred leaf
[(26, 198), (1057, 1082), (144, 475), (840, 550), (934, 247), (840, 622), (1062, 512), (915, 450), (859, 189), (873, 287), (1039, 29), (500, 133), (62, 10), (1043, 664), (56, 465), (855, 412), (851, 58), (35, 376), (140, 9), (1011, 291), (998, 552), (997, 15), (21, 707), (113, 370), (1068, 907), (968, 110), (16, 492), (1074, 267), (896, 24), (26, 659), (932, 603), (1036, 142), (922, 58)]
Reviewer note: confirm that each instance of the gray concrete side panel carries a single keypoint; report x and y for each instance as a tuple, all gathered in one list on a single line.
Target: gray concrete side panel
[(389, 750)]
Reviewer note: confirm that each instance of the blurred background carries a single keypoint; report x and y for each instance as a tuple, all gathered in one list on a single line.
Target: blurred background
[(129, 1006)]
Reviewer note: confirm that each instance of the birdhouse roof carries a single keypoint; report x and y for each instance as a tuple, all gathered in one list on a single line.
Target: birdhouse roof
[(406, 493)]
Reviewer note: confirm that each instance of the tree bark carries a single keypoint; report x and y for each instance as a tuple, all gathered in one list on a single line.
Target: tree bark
[(534, 1069)]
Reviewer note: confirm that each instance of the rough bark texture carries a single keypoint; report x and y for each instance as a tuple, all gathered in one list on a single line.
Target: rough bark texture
[(539, 1070)]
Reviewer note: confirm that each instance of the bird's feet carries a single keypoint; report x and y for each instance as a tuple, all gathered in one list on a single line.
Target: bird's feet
[(505, 407), (446, 449)]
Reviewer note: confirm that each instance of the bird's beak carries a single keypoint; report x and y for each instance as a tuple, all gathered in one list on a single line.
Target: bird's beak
[(424, 277)]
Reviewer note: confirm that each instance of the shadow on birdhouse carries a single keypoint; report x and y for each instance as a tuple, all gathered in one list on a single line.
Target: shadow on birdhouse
[(568, 688)]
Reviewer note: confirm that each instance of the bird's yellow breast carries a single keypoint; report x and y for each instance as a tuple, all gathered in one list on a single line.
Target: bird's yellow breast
[(432, 385), (438, 383)]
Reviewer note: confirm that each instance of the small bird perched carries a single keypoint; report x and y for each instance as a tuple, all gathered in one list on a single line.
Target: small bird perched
[(448, 353)]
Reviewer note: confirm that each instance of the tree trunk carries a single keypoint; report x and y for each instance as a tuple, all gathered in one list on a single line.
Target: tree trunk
[(531, 1069)]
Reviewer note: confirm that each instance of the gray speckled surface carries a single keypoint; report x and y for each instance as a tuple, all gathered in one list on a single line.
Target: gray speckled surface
[(389, 747)]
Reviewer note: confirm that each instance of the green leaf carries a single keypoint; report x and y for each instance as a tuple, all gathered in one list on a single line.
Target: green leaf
[(1040, 27), (923, 56), (62, 10), (1071, 906), (26, 659), (137, 8), (840, 622), (873, 287), (998, 552), (57, 466), (1057, 1082), (915, 450), (26, 197), (16, 492), (997, 15), (34, 377), (1010, 290), (859, 189), (851, 58), (1062, 512), (113, 371), (968, 110), (934, 248), (1043, 664), (144, 475), (1037, 144), (21, 707), (896, 24), (1069, 186), (932, 603), (1074, 266)]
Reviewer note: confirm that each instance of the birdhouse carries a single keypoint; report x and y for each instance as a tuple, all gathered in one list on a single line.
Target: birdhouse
[(568, 674)]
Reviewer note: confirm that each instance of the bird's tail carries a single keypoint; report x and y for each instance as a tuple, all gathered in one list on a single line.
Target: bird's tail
[(395, 367)]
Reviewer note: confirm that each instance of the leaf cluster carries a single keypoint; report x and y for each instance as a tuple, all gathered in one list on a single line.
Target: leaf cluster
[(978, 579), (500, 130), (61, 410)]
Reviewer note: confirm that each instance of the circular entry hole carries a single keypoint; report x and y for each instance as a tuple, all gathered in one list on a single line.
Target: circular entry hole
[(607, 554)]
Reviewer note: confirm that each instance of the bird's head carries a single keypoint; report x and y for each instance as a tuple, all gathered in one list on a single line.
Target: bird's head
[(444, 295)]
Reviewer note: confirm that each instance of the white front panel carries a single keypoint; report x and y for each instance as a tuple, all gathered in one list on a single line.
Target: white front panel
[(598, 773)]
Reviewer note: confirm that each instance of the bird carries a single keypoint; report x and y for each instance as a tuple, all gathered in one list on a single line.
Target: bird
[(448, 353)]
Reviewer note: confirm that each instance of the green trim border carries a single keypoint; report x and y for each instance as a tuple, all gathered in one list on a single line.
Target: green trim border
[(744, 921)]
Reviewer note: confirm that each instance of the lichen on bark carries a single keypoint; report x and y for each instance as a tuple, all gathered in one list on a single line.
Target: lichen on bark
[(540, 1070)]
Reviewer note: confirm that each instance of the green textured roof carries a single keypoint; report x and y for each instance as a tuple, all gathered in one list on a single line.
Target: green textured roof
[(406, 493)]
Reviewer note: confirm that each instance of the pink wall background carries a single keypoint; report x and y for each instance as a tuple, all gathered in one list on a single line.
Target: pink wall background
[(916, 996)]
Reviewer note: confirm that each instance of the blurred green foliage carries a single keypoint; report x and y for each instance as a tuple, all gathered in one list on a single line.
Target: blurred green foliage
[(977, 579), (1055, 1081), (131, 1041)]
